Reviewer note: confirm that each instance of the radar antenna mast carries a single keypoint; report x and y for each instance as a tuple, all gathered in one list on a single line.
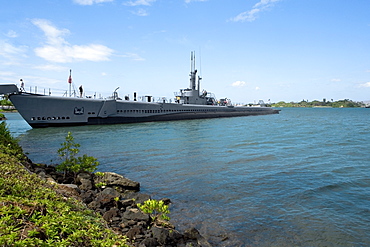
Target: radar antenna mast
[(200, 72), (193, 73)]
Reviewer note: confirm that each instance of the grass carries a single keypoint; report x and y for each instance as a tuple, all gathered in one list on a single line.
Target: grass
[(33, 214)]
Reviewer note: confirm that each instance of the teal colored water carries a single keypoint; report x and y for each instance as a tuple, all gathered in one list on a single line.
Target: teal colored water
[(300, 178)]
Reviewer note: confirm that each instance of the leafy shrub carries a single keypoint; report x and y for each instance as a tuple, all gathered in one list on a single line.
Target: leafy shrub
[(100, 185), (33, 214), (74, 164), (156, 209), (5, 102), (99, 174), (8, 144)]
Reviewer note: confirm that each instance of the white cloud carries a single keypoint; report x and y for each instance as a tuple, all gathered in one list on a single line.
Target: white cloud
[(257, 88), (139, 2), (54, 36), (11, 53), (8, 50), (367, 84), (11, 34), (8, 77), (335, 80), (189, 1), (6, 73), (140, 12), (251, 15), (238, 84), (58, 50), (90, 2), (42, 82), (134, 56), (264, 3), (51, 67)]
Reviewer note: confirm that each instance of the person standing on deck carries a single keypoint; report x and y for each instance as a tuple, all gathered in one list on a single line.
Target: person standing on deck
[(81, 91), (22, 86)]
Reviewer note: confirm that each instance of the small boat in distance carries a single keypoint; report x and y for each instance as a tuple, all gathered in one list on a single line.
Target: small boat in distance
[(51, 111)]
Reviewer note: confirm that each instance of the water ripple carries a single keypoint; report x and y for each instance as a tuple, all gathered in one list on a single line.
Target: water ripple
[(300, 178)]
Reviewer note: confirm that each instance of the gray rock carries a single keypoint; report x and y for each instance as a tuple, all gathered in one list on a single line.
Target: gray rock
[(105, 200), (135, 214), (126, 203), (73, 186), (87, 196), (110, 214), (113, 179), (161, 234), (194, 234), (94, 205), (149, 242), (85, 184), (110, 191), (133, 232), (83, 175), (141, 198)]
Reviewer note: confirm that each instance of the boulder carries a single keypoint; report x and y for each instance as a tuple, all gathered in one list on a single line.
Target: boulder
[(133, 232), (68, 190), (51, 180), (193, 234), (88, 196), (111, 192), (108, 216), (84, 180), (83, 175), (94, 205), (161, 234), (140, 198), (105, 200), (149, 242), (135, 214), (166, 201), (112, 179), (85, 184), (126, 203)]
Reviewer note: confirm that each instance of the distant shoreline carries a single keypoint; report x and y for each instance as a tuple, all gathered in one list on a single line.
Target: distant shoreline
[(346, 103)]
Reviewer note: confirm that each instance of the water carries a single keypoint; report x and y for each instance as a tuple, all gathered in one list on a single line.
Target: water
[(300, 178)]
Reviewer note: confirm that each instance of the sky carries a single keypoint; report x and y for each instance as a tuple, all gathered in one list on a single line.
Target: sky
[(246, 50)]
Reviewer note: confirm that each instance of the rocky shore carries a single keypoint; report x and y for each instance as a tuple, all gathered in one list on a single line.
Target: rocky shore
[(115, 198)]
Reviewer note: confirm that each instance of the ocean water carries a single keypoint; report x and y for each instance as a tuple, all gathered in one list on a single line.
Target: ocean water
[(299, 178)]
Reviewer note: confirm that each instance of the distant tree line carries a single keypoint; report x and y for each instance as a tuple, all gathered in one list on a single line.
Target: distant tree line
[(324, 103)]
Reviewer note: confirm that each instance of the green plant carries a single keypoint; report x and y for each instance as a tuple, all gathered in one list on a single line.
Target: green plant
[(100, 184), (5, 100), (116, 200), (74, 164), (33, 214), (8, 144), (100, 174), (156, 209)]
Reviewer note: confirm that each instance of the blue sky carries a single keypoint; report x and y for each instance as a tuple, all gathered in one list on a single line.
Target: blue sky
[(246, 50)]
